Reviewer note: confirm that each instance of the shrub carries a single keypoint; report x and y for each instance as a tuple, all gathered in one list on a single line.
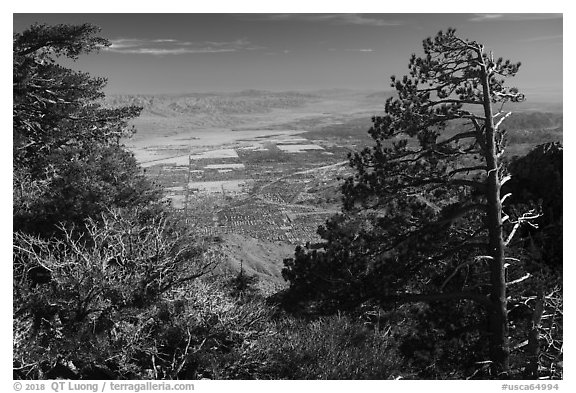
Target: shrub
[(82, 300), (327, 348)]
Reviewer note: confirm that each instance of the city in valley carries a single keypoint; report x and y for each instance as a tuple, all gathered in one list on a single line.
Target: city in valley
[(259, 171)]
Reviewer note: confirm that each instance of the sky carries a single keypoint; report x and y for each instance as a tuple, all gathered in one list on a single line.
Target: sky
[(183, 53)]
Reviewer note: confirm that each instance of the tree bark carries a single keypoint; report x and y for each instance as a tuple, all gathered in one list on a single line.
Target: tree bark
[(497, 312)]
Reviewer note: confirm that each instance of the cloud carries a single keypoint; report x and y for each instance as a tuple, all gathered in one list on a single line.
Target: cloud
[(338, 19), (513, 17), (163, 46), (171, 51), (362, 50), (165, 40), (123, 43)]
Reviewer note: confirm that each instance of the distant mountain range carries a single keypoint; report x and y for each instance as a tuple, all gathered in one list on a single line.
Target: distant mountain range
[(237, 103), (261, 101), (533, 120)]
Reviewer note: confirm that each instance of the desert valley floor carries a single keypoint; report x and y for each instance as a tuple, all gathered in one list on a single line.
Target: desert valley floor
[(261, 177)]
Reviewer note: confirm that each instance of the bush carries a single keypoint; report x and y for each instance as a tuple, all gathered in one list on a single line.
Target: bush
[(83, 184), (328, 348), (83, 300)]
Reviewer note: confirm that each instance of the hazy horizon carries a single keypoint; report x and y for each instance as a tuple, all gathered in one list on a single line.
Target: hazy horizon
[(202, 53)]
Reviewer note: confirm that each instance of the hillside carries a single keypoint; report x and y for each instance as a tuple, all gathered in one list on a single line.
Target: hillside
[(256, 257)]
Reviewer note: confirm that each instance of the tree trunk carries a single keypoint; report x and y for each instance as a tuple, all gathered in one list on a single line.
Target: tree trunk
[(498, 313)]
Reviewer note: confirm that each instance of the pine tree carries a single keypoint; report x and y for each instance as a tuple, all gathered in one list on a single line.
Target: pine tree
[(69, 163), (423, 217)]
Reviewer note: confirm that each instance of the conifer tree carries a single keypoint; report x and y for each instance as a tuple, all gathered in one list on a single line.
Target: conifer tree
[(68, 160), (423, 216)]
